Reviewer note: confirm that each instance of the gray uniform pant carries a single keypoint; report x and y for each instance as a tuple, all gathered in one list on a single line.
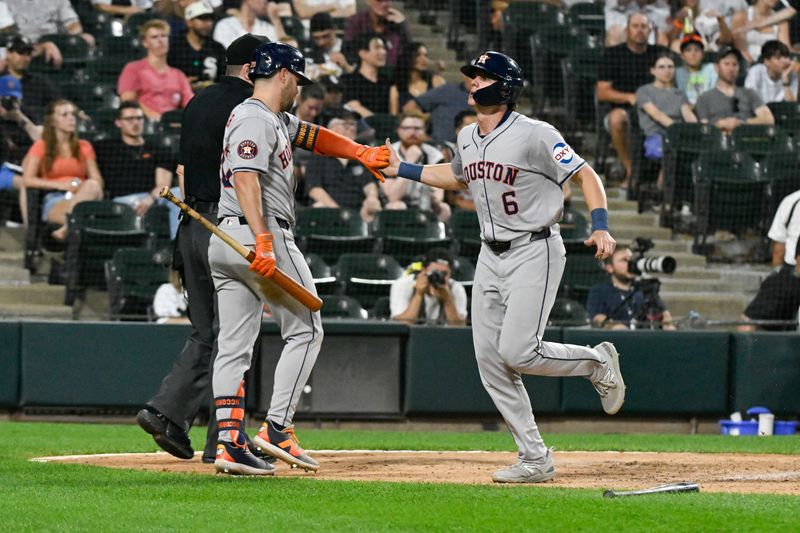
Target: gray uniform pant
[(240, 298), (512, 297)]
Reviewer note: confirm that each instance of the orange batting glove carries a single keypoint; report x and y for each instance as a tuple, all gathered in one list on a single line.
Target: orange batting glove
[(264, 262), (374, 158)]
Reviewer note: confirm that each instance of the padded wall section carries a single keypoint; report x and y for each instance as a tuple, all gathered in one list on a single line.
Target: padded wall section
[(10, 333), (442, 376), (76, 364), (666, 373), (766, 372)]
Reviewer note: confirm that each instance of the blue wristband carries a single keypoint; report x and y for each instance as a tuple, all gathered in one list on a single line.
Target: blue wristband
[(599, 219), (410, 171)]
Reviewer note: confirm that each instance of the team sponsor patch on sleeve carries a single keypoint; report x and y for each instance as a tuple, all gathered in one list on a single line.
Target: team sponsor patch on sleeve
[(562, 153), (247, 149)]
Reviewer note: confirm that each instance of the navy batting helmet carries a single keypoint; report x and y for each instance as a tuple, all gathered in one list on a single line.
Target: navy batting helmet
[(271, 57), (501, 68)]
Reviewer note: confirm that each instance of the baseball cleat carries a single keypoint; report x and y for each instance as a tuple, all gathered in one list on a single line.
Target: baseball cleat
[(236, 460), (528, 471), (283, 445), (168, 435), (610, 387)]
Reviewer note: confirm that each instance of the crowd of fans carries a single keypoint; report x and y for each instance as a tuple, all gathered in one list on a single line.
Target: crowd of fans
[(714, 61)]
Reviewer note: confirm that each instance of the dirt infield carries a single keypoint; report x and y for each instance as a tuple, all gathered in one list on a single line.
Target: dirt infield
[(723, 472)]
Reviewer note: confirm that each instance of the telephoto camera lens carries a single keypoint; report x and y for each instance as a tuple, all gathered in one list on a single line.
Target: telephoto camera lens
[(436, 278), (662, 264)]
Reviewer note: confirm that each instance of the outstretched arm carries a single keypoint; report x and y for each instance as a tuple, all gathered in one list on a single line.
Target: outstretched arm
[(325, 142), (440, 176)]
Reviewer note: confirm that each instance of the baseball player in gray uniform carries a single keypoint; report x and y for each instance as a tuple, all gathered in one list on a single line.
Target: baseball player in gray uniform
[(257, 209), (515, 167)]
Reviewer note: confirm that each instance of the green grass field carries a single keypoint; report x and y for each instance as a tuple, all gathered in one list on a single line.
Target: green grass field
[(71, 497)]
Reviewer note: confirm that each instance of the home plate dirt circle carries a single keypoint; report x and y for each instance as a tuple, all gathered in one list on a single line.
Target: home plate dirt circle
[(715, 472)]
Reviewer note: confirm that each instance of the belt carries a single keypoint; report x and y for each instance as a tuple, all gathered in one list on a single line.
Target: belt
[(243, 221), (499, 247), (200, 206)]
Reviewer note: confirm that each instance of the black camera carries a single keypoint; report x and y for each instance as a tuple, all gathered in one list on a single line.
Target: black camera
[(9, 103), (436, 278), (639, 264)]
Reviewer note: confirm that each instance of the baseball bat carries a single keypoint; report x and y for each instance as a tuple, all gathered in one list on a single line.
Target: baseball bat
[(280, 278), (684, 486)]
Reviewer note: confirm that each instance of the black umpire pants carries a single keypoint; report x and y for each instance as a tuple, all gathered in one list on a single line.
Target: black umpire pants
[(187, 387)]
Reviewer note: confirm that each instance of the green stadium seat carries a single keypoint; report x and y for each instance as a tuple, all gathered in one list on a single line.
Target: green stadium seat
[(568, 313), (759, 140), (730, 194), (683, 144), (382, 310), (366, 277), (341, 306), (463, 271), (466, 230), (95, 231), (384, 124), (407, 234), (171, 120), (785, 113), (579, 73), (103, 119), (527, 17), (90, 97), (782, 170), (589, 16), (107, 69), (133, 276), (324, 280), (74, 49), (156, 224), (330, 232), (122, 47), (294, 27), (574, 225)]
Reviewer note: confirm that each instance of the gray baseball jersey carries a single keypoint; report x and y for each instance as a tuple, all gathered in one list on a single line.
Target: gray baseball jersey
[(515, 175), (259, 140)]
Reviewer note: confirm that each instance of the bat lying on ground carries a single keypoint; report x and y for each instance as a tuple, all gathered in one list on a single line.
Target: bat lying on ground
[(280, 278), (683, 486)]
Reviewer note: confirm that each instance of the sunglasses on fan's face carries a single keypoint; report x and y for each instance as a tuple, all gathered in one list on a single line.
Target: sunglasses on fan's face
[(735, 104)]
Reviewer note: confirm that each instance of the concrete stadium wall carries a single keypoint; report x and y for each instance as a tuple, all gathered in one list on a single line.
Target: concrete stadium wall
[(391, 370)]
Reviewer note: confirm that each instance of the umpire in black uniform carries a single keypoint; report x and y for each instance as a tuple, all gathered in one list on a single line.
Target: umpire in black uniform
[(169, 414)]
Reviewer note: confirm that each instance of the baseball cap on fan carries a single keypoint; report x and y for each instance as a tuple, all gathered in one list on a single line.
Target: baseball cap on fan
[(197, 9), (242, 50), (10, 86), (20, 45)]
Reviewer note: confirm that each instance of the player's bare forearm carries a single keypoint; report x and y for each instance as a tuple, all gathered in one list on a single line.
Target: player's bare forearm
[(441, 176), (248, 193), (593, 191)]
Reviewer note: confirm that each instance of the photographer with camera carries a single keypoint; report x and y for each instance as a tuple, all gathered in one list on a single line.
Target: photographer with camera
[(626, 301), (427, 294)]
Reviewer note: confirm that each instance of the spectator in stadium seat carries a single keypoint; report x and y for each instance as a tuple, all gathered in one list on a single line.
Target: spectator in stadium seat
[(413, 75), (366, 91), (461, 199), (727, 106), (618, 303), (711, 20), (135, 170), (774, 79), (335, 182), (36, 18), (62, 165), (407, 194), (122, 8), (778, 297), (37, 90), (415, 299), (625, 68), (327, 55), (659, 105), (383, 19), (694, 77), (306, 9), (618, 13), (151, 81), (251, 19), (442, 104), (307, 109), (17, 133), (194, 52), (750, 41)]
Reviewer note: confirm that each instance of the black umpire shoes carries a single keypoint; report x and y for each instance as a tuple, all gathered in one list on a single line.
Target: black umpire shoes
[(169, 436)]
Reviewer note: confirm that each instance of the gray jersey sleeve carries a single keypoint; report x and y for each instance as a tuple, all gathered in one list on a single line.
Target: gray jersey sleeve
[(551, 155), (251, 143), (456, 165), (292, 125)]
